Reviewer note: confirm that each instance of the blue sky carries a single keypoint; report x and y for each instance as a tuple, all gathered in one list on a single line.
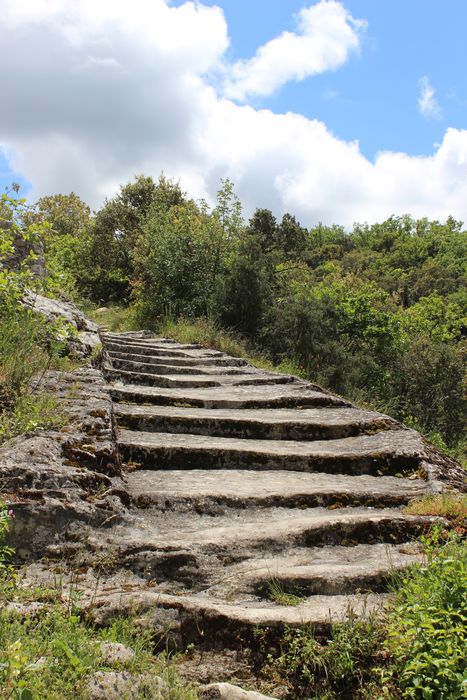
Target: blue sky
[(373, 98), (98, 92)]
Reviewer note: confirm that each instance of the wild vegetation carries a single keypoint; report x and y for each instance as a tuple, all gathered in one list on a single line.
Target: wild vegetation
[(28, 345), (414, 648), (53, 651)]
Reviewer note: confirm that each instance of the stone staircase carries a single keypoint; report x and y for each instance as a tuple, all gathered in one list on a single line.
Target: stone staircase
[(249, 486)]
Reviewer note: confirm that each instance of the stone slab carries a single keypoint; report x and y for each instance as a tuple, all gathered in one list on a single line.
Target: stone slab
[(391, 451)]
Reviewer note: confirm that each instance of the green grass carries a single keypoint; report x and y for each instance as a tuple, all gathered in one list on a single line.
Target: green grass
[(50, 653), (280, 596), (31, 412), (29, 346)]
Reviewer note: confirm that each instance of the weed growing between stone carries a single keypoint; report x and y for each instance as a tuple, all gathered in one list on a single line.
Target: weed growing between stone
[(339, 667), (279, 595)]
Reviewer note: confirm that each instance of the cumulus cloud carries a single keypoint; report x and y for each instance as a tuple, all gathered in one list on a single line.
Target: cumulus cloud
[(94, 93), (427, 103), (327, 34)]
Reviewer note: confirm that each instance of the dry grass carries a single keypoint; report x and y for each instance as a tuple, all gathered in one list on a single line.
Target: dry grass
[(204, 332), (449, 505)]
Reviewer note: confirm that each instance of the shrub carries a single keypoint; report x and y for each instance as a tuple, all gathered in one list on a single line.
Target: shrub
[(426, 626), (341, 667)]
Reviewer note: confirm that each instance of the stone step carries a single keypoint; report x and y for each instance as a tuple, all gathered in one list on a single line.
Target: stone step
[(216, 624), (281, 396), (179, 362), (220, 624), (215, 491), (316, 571), (191, 549), (165, 369), (135, 336), (163, 350), (275, 424), (195, 380), (152, 342), (386, 452)]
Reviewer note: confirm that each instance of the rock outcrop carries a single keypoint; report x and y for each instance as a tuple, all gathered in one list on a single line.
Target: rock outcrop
[(60, 482)]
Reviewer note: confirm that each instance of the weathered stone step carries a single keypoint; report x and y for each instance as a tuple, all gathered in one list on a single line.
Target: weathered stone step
[(152, 342), (276, 424), (195, 380), (220, 624), (215, 491), (262, 530), (269, 396), (212, 623), (386, 452), (151, 368), (135, 336), (163, 350), (192, 549), (317, 571), (224, 361)]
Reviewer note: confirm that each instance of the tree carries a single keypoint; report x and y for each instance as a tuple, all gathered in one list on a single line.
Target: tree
[(263, 226), (291, 238), (178, 257), (115, 233)]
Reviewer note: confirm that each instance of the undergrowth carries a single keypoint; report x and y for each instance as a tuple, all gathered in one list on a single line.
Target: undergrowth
[(414, 649), (29, 346), (49, 651)]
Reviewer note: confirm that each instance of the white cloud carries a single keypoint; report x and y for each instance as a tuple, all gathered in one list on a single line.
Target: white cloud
[(327, 35), (427, 103), (94, 93)]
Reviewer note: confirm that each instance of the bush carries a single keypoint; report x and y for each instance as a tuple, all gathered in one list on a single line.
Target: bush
[(341, 667), (426, 626)]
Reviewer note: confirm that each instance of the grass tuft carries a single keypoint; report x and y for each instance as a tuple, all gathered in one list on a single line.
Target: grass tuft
[(449, 505), (279, 595)]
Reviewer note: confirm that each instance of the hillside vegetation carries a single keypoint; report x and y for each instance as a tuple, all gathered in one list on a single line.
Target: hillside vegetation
[(377, 313)]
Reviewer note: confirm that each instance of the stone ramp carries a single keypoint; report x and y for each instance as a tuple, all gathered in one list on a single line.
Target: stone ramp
[(245, 482)]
